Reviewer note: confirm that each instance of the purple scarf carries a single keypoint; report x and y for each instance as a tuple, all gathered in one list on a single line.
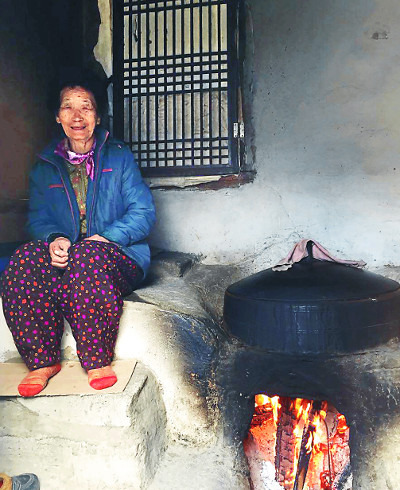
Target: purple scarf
[(63, 150)]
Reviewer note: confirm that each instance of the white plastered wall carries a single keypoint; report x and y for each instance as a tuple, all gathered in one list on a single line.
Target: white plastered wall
[(322, 85)]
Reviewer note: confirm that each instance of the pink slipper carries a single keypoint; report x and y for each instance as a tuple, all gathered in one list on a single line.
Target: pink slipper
[(101, 378), (36, 381)]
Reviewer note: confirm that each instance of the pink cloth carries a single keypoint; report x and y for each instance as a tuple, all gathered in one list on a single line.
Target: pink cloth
[(300, 251), (63, 150)]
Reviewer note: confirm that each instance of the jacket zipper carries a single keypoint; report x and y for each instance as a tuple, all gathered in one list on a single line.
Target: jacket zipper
[(94, 186), (66, 191)]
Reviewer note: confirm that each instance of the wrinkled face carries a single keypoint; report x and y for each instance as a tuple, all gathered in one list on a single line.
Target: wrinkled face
[(77, 115)]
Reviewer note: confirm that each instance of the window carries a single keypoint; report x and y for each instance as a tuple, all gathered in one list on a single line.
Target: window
[(176, 84)]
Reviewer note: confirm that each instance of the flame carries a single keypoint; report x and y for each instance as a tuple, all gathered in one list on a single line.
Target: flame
[(261, 400), (301, 408), (269, 403), (342, 425), (320, 431)]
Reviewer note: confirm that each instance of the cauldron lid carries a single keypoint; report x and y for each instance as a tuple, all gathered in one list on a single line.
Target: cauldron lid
[(314, 308), (313, 280)]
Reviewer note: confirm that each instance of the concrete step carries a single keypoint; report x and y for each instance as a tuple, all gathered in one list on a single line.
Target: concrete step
[(87, 442)]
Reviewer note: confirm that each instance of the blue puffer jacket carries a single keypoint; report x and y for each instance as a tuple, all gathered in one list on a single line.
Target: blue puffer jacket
[(119, 205)]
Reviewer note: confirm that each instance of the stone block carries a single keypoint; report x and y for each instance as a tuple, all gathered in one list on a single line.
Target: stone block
[(89, 442)]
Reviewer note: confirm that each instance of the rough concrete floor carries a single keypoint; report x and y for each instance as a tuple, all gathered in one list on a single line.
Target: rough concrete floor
[(185, 468)]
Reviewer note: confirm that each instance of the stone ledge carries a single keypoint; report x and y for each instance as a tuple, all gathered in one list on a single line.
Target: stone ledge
[(91, 442)]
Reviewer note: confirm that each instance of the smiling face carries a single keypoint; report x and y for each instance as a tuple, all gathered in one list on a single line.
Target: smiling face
[(78, 117)]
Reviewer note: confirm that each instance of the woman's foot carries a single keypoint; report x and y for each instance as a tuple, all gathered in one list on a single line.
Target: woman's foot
[(101, 378), (36, 381)]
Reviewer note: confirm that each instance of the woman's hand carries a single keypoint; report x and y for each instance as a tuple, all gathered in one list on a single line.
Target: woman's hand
[(58, 250), (98, 238)]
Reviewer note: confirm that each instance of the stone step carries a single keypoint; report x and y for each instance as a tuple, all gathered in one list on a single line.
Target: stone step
[(87, 441)]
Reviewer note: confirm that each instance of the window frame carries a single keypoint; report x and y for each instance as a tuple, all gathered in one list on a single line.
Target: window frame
[(234, 143)]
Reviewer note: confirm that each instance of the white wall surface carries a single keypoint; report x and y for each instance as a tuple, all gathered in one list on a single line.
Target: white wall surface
[(323, 98)]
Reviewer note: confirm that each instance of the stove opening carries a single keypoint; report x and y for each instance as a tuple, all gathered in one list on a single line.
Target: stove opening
[(297, 444)]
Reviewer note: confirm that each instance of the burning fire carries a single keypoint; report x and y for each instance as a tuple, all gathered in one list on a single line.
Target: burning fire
[(309, 441), (268, 403)]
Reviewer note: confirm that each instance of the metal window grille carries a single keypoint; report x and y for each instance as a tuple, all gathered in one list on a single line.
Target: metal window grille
[(175, 84)]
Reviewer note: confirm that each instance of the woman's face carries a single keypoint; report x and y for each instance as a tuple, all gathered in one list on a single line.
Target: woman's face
[(78, 117)]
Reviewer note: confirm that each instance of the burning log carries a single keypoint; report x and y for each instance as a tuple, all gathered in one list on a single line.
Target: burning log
[(306, 447), (285, 445)]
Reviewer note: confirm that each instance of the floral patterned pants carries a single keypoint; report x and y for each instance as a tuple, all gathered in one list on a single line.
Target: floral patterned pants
[(88, 293)]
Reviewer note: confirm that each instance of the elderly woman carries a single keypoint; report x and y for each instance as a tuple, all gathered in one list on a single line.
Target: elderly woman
[(89, 215)]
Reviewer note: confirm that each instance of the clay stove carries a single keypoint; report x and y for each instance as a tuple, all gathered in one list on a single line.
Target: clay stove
[(319, 331)]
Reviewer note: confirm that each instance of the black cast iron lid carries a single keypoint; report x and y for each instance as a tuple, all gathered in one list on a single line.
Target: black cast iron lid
[(314, 307)]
